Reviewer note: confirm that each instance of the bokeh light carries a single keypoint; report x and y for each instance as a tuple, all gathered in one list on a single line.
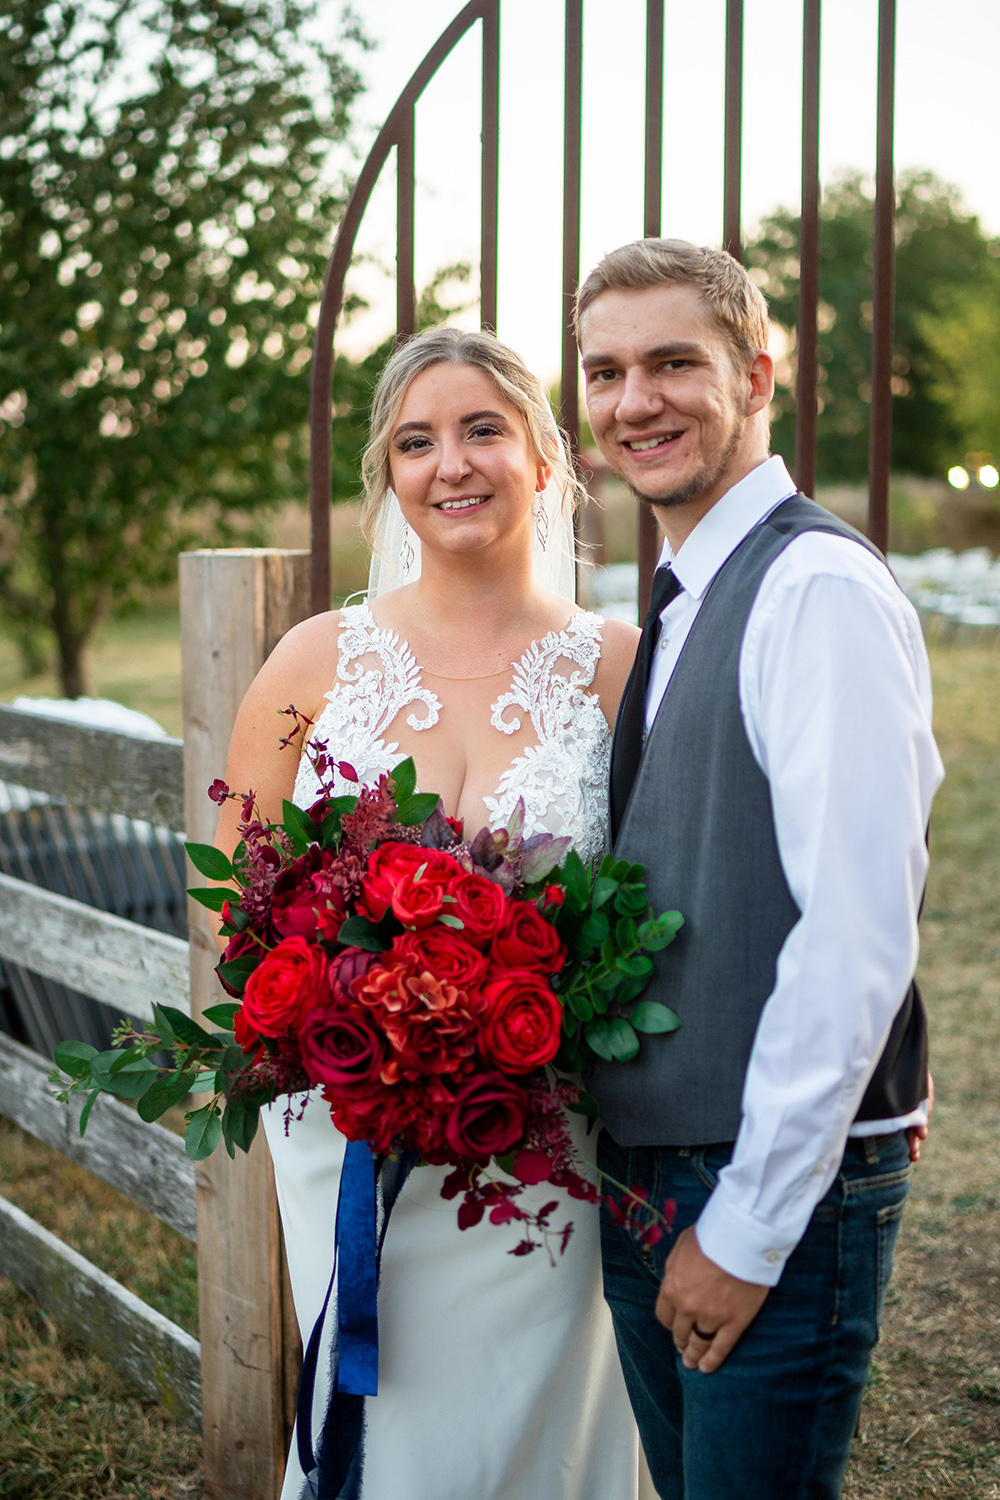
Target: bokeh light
[(988, 477), (958, 478)]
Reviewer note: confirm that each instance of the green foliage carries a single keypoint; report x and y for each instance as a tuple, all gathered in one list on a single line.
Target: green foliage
[(163, 245), (962, 337), (941, 254)]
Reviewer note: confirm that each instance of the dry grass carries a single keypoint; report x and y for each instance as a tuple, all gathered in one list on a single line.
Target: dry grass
[(70, 1431), (931, 1425)]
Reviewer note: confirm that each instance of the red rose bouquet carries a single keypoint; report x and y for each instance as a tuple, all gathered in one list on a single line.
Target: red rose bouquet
[(437, 990)]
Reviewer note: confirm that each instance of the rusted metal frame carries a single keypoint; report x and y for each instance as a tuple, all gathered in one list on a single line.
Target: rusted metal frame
[(569, 400), (648, 532), (880, 431), (321, 378), (490, 177), (733, 150), (809, 232), (406, 295)]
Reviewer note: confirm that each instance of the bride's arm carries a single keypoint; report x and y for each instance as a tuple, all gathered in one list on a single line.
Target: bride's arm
[(619, 644), (300, 669)]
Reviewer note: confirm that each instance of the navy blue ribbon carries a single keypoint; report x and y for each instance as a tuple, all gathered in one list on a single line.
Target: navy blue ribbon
[(357, 1257)]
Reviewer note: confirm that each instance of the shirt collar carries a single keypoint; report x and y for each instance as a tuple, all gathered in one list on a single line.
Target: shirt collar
[(720, 530)]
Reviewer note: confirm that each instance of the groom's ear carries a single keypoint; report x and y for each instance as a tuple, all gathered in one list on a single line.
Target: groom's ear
[(761, 382)]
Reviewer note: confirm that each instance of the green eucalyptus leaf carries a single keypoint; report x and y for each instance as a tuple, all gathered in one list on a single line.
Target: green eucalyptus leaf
[(404, 781), (203, 1133), (635, 965), (587, 1105), (213, 896), (417, 809), (85, 1113), (447, 920), (597, 1035), (184, 1029), (660, 931), (74, 1058), (604, 888), (298, 824), (168, 1090), (575, 879), (134, 1080), (652, 1017), (358, 932), (221, 1015), (580, 1004), (622, 1040), (209, 861)]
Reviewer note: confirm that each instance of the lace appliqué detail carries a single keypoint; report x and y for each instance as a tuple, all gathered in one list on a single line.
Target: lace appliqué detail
[(363, 703), (563, 779)]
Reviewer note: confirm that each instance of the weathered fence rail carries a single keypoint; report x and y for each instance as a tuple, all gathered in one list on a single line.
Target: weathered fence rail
[(101, 955), (239, 1382), (145, 1162), (144, 1346), (101, 769)]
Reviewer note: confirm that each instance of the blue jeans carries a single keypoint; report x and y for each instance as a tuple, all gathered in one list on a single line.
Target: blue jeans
[(776, 1421)]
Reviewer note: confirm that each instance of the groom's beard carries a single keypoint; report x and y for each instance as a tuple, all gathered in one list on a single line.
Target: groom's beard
[(704, 479)]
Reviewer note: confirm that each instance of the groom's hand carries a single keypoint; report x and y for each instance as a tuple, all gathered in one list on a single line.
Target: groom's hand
[(695, 1291)]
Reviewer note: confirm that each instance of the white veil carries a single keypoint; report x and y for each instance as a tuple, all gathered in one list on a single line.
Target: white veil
[(396, 553)]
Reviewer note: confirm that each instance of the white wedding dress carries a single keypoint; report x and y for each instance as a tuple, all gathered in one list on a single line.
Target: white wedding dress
[(498, 1375)]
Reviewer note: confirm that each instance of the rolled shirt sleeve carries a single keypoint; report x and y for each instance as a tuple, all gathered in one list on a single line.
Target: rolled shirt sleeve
[(836, 699)]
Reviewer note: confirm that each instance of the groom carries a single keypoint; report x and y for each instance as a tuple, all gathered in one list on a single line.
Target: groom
[(773, 769)]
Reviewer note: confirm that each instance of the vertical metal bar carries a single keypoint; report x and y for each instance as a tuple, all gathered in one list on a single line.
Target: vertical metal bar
[(490, 166), (880, 432), (649, 540), (569, 401), (653, 184), (406, 297), (734, 129), (320, 466), (805, 384)]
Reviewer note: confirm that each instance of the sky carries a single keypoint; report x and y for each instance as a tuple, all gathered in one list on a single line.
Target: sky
[(947, 61)]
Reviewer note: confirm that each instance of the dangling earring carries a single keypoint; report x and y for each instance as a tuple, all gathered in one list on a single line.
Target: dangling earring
[(407, 548), (541, 520)]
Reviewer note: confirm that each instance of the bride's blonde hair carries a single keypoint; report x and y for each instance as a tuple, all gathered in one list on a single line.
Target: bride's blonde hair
[(514, 382)]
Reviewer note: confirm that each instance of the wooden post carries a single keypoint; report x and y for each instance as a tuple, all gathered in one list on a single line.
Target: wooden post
[(235, 606)]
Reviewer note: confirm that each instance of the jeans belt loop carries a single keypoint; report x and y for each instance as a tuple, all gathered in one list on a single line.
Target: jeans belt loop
[(871, 1149)]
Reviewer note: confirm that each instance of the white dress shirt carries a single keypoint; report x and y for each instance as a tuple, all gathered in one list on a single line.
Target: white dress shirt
[(835, 694)]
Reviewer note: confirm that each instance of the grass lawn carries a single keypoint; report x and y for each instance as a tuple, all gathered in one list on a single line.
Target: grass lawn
[(69, 1430)]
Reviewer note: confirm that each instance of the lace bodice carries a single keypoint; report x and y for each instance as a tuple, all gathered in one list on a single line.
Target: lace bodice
[(562, 778)]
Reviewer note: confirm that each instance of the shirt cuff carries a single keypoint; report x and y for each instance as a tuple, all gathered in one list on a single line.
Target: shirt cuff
[(740, 1244)]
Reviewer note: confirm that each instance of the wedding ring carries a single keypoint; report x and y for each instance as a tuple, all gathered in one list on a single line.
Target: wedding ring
[(708, 1337)]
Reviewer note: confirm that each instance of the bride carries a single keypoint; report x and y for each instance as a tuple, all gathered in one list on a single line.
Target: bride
[(498, 1377)]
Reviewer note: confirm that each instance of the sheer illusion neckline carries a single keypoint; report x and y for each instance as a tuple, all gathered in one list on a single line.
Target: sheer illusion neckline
[(560, 778), (402, 645)]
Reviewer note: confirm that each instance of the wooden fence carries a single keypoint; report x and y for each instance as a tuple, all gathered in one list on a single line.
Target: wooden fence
[(239, 1382)]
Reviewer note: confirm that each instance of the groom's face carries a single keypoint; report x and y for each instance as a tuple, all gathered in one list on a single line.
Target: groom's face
[(667, 406)]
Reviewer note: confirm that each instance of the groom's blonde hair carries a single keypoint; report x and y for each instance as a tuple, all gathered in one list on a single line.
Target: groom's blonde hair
[(735, 304), (514, 382)]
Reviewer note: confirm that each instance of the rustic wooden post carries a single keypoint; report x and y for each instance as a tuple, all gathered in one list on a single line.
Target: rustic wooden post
[(235, 606)]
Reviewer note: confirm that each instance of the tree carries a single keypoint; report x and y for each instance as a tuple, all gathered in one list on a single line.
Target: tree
[(962, 336), (940, 251), (161, 258)]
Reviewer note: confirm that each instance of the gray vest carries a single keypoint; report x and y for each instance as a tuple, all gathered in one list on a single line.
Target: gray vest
[(700, 820)]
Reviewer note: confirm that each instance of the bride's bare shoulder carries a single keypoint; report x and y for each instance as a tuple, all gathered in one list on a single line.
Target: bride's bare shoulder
[(619, 642), (303, 665)]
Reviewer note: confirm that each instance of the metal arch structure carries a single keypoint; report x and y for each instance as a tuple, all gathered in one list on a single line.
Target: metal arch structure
[(398, 134)]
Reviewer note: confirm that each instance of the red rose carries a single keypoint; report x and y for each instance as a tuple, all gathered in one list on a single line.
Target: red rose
[(241, 943), (306, 901), (553, 895), (340, 1048), (289, 981), (382, 1116), (444, 952), (416, 901), (523, 1021), (390, 862), (479, 905), (488, 1117), (247, 1038), (527, 941)]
